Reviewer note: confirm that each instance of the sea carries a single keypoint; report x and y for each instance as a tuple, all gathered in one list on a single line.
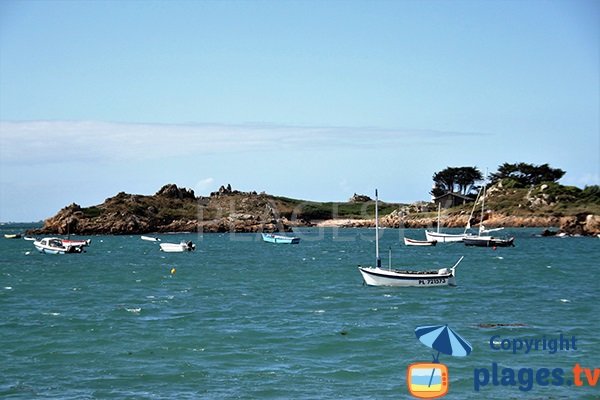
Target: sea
[(243, 319)]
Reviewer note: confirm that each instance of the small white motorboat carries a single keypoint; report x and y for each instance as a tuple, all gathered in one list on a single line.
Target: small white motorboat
[(177, 247), (150, 238), (54, 245), (413, 242)]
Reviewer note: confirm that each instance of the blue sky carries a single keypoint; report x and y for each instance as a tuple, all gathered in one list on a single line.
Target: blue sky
[(307, 99)]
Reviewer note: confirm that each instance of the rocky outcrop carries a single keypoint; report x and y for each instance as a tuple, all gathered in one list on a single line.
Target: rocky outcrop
[(171, 191), (581, 224), (359, 198), (172, 209)]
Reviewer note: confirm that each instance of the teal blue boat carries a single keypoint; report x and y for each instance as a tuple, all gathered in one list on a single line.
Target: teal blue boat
[(272, 238)]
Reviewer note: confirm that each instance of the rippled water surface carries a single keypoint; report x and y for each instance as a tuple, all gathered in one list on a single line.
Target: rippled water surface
[(240, 318)]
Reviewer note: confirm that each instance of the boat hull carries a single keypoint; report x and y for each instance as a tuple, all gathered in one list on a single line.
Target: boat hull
[(444, 237), (488, 242), (82, 243), (177, 247), (412, 242), (270, 238), (382, 277), (56, 246)]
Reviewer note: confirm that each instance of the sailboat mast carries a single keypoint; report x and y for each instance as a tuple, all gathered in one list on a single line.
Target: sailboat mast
[(439, 212), (468, 226), (378, 259), (482, 209)]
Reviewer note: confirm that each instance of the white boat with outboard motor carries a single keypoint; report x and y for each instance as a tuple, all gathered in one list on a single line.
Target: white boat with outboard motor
[(177, 247)]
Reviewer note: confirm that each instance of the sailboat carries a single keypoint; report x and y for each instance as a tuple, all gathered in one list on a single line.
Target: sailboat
[(377, 276), (447, 237), (481, 240)]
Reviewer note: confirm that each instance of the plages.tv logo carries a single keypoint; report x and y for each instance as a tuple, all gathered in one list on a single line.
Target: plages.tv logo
[(429, 380)]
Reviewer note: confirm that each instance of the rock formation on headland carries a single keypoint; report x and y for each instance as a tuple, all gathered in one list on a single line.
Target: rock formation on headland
[(175, 209), (359, 198), (172, 209)]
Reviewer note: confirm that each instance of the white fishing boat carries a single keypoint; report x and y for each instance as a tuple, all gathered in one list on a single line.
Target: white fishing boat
[(54, 245), (377, 276), (12, 235), (177, 247), (272, 238), (413, 242), (150, 238)]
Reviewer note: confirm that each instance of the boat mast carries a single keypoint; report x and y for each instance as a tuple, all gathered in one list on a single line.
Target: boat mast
[(377, 258), (468, 226), (482, 208), (439, 212)]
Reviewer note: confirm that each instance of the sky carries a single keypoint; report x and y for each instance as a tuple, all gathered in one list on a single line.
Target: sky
[(315, 100)]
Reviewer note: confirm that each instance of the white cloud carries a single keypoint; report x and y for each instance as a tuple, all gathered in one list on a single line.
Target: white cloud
[(84, 141), (205, 185)]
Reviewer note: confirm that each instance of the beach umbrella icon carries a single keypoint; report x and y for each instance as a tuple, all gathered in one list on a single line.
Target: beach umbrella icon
[(443, 339)]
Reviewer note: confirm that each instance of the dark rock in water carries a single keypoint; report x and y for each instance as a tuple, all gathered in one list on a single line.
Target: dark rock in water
[(548, 232), (501, 325)]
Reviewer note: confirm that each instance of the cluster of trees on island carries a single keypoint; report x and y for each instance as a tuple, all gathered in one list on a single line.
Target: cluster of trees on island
[(465, 180)]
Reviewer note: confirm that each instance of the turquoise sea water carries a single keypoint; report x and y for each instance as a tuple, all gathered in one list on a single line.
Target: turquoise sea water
[(245, 319)]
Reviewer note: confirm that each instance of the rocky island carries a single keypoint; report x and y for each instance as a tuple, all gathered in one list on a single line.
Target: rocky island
[(552, 207)]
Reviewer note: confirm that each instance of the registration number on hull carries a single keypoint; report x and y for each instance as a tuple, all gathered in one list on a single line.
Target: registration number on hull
[(433, 281)]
